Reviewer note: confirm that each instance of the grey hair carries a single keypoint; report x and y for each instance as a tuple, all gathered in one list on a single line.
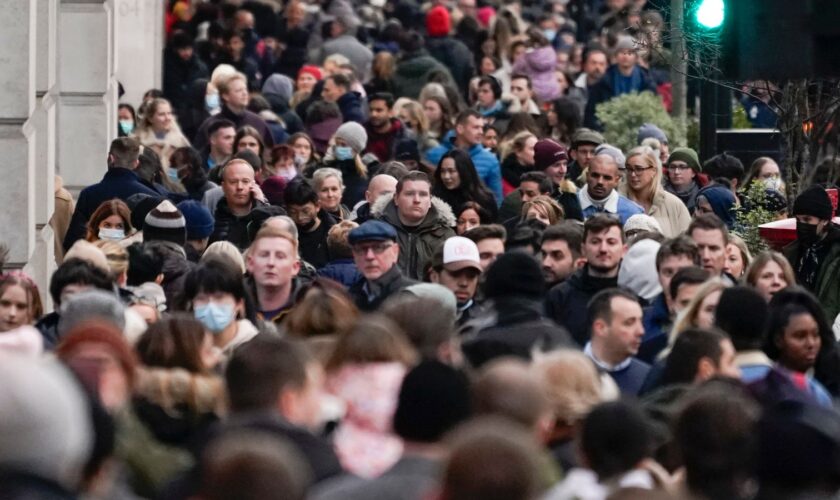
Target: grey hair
[(324, 173), (90, 304)]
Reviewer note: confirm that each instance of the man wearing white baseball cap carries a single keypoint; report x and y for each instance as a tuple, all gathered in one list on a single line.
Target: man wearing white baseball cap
[(457, 266)]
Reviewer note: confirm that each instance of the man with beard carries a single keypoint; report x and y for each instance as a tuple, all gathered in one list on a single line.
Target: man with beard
[(383, 131), (560, 249), (600, 193), (603, 248)]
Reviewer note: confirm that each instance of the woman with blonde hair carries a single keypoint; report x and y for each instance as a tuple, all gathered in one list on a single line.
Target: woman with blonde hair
[(544, 209), (117, 257), (768, 273), (738, 256), (518, 158), (413, 116), (643, 185), (573, 387), (700, 312), (159, 131)]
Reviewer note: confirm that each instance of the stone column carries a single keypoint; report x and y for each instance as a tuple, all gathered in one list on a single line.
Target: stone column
[(139, 47), (42, 262), (87, 117), (17, 143)]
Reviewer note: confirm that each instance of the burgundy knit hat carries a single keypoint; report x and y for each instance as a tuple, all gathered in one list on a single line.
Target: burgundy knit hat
[(547, 152), (438, 22), (273, 188)]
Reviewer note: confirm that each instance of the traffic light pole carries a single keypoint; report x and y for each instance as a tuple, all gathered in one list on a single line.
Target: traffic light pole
[(715, 114)]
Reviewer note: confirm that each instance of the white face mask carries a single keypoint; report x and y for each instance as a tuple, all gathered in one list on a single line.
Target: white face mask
[(773, 183), (111, 234)]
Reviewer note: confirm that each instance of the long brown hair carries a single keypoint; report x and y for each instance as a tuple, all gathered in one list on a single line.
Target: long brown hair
[(175, 342), (105, 210), (374, 339)]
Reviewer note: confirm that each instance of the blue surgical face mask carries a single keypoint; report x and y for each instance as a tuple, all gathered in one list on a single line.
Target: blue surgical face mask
[(211, 101), (215, 317), (127, 126), (173, 174), (550, 34), (111, 234), (343, 153)]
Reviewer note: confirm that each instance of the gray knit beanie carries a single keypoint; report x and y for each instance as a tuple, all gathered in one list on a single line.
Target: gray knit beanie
[(354, 135)]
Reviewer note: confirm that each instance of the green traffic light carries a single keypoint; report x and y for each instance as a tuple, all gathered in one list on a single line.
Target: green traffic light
[(710, 13)]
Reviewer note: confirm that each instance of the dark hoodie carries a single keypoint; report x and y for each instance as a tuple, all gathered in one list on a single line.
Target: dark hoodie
[(350, 105), (413, 73), (313, 245), (519, 327), (566, 303), (277, 90)]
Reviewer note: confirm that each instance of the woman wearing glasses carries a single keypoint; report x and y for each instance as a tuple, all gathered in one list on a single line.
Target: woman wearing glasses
[(643, 184), (682, 176)]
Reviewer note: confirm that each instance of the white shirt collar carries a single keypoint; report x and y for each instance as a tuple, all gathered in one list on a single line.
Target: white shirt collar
[(610, 204), (603, 365)]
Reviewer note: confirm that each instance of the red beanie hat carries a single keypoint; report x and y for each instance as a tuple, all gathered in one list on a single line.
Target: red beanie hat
[(312, 70), (547, 152), (438, 22)]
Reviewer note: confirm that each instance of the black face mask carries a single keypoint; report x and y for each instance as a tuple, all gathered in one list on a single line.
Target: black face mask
[(806, 234), (309, 225)]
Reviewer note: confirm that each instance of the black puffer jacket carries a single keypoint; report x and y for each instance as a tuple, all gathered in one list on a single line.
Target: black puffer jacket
[(417, 246), (232, 228)]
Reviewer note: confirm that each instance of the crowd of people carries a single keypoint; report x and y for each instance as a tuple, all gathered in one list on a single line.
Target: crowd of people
[(383, 250)]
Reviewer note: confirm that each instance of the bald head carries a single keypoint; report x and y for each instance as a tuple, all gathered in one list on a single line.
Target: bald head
[(379, 185), (507, 387), (244, 19), (283, 223)]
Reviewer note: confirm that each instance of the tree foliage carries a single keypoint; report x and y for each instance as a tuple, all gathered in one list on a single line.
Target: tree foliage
[(623, 115)]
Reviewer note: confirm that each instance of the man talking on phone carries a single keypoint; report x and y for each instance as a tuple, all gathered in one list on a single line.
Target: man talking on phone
[(242, 196)]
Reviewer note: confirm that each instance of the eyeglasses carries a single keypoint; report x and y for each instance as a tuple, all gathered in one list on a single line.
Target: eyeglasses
[(377, 248), (636, 169)]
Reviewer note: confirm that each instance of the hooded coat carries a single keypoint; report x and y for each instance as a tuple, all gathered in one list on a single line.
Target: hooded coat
[(540, 64), (417, 246), (278, 90), (413, 73)]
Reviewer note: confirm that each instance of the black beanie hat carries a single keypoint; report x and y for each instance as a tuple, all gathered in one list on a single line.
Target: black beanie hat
[(742, 313), (514, 273), (140, 205), (433, 399), (813, 201)]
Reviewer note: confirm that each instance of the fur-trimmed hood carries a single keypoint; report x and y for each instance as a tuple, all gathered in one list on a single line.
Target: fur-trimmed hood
[(439, 214), (171, 387)]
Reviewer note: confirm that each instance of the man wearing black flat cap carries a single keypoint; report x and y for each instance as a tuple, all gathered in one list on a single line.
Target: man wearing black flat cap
[(375, 252), (815, 255)]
